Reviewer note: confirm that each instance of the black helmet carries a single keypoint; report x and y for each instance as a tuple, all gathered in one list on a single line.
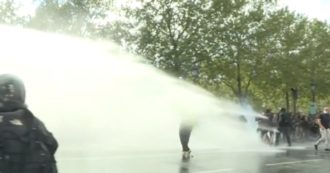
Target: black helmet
[(12, 93)]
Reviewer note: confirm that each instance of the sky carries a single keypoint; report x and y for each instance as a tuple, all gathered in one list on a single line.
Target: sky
[(27, 7), (311, 8)]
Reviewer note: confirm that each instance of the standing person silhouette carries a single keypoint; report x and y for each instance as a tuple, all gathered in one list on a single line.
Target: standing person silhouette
[(323, 121), (184, 133), (284, 126), (26, 146)]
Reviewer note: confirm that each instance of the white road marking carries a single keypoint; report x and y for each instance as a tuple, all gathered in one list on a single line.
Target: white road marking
[(295, 162), (269, 164), (217, 170), (293, 147)]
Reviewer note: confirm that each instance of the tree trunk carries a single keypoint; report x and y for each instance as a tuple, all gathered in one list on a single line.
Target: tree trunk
[(294, 106), (239, 84), (287, 99)]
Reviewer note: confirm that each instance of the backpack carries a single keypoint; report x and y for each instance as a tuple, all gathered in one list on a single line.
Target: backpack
[(22, 147)]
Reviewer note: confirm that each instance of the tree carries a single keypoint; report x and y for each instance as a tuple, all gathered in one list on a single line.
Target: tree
[(8, 13), (238, 54), (316, 62), (285, 58), (179, 36), (77, 17)]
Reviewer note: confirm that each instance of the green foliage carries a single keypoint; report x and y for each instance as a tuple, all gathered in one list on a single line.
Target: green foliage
[(220, 38), (242, 49)]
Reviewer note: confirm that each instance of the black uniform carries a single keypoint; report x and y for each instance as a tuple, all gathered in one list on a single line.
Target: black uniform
[(26, 146), (285, 126)]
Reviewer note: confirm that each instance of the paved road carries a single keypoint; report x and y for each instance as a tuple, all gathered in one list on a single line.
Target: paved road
[(302, 159)]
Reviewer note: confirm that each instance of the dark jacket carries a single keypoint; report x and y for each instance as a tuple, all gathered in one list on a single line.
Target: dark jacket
[(325, 120), (26, 146), (284, 119)]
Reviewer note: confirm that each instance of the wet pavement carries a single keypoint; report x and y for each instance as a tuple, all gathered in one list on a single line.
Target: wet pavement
[(299, 158)]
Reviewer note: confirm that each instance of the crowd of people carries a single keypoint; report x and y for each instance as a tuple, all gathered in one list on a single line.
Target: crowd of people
[(280, 127), (284, 126)]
